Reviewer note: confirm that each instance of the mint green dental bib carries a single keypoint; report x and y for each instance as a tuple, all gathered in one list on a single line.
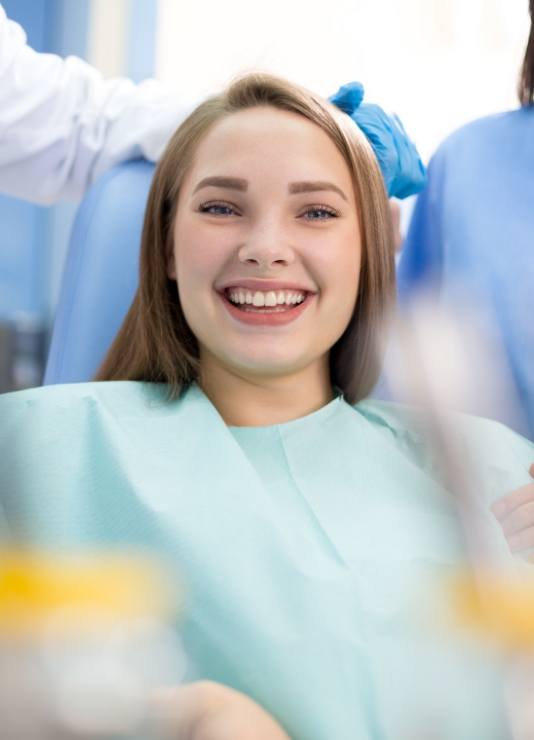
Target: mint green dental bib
[(309, 551)]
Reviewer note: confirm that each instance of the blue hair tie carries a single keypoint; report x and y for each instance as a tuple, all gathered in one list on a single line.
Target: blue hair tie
[(399, 160)]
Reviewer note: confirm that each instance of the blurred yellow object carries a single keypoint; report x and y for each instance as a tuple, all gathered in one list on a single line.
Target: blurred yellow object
[(42, 591), (497, 607)]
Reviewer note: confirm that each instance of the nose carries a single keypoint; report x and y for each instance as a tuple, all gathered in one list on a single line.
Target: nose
[(266, 246)]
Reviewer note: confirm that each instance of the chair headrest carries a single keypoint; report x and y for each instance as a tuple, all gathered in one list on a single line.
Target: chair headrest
[(101, 272)]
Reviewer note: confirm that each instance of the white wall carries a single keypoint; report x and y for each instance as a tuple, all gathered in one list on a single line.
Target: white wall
[(108, 26), (437, 63)]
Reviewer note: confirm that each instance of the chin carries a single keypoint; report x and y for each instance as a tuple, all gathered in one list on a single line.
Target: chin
[(267, 366)]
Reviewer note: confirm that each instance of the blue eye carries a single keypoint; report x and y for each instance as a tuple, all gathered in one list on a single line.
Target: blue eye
[(217, 209), (319, 213)]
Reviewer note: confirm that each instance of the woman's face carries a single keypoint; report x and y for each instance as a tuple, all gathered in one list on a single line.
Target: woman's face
[(266, 244)]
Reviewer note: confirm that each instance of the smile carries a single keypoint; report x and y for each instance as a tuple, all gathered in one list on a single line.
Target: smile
[(268, 308), (259, 299)]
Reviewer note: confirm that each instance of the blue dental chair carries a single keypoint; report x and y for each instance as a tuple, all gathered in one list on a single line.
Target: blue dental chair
[(100, 276)]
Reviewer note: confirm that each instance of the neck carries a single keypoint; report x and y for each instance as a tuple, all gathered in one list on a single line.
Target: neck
[(259, 401)]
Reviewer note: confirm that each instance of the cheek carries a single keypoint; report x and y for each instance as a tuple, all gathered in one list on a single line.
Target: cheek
[(199, 255), (339, 264)]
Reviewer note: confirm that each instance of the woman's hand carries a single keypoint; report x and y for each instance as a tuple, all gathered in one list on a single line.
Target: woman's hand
[(210, 711), (515, 513)]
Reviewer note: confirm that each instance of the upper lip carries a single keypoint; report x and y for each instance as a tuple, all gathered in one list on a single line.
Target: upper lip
[(263, 285)]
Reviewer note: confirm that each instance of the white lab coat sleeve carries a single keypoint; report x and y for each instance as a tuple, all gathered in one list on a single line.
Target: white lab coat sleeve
[(62, 125)]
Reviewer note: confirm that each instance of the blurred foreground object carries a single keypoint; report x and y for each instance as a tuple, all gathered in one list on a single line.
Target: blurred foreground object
[(505, 614), (83, 642), (441, 365)]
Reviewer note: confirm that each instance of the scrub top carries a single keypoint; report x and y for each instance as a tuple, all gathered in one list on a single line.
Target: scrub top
[(472, 237), (311, 552)]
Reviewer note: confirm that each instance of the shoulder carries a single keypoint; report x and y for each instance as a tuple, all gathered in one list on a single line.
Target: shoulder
[(66, 430), (399, 426), (90, 412), (482, 134), (58, 411), (398, 420), (498, 456), (75, 397), (394, 420)]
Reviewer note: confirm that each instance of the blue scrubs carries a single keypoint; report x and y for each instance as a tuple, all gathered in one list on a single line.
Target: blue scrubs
[(472, 234)]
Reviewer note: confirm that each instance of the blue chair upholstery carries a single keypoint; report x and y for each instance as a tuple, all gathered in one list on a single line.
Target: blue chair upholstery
[(100, 276)]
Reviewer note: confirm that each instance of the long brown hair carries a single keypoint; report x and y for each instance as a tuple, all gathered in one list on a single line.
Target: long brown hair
[(155, 343), (526, 78)]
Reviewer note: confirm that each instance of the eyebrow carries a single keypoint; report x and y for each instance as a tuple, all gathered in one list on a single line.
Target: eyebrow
[(315, 186), (238, 183), (232, 183)]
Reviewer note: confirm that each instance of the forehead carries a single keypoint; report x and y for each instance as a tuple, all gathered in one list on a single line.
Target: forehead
[(264, 140)]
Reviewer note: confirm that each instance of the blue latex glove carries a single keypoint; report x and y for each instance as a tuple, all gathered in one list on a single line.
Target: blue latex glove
[(397, 156)]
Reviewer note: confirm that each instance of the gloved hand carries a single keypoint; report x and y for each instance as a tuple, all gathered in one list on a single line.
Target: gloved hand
[(399, 160)]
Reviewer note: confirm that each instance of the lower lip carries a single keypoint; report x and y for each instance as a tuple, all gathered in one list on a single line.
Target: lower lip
[(266, 317)]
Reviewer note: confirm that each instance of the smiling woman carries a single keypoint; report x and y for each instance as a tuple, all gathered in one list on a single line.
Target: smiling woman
[(263, 255), (310, 527)]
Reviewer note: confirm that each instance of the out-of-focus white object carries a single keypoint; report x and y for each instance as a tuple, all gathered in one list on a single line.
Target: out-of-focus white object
[(434, 360), (84, 643), (62, 125), (519, 697), (440, 365)]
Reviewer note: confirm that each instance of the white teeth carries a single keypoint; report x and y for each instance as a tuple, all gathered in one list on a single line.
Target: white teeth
[(259, 299), (269, 298)]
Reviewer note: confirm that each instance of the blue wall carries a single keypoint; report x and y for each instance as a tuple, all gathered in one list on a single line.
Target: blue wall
[(23, 225), (141, 39)]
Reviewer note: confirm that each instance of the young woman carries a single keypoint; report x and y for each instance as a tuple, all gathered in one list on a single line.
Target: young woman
[(309, 526)]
